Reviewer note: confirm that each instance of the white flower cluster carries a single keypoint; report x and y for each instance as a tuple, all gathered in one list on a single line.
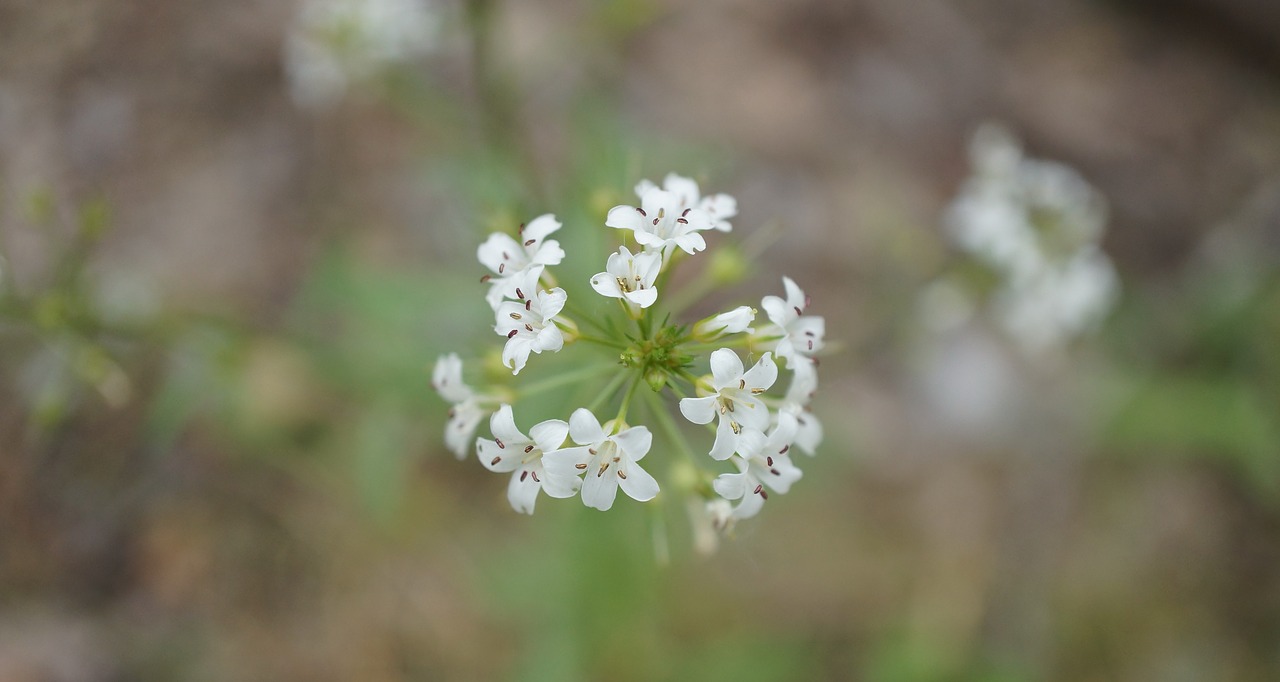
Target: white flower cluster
[(1037, 225), (333, 43), (754, 429)]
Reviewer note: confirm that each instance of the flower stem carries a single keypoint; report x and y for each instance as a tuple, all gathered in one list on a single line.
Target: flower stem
[(669, 427), (609, 389), (563, 379), (626, 404)]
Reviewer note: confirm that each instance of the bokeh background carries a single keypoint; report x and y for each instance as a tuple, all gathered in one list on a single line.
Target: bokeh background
[(220, 456)]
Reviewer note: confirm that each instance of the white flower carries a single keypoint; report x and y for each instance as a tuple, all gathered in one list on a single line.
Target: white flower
[(467, 411), (736, 399), (763, 463), (630, 277), (334, 42), (529, 324), (512, 260), (1059, 303), (801, 335), (735, 321), (606, 462), (511, 450), (660, 222), (804, 382), (708, 519), (719, 207)]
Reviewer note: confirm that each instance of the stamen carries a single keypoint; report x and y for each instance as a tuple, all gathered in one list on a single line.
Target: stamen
[(523, 475), (757, 391), (729, 404), (682, 221), (486, 278), (500, 443), (807, 301), (810, 344), (528, 305), (783, 451), (580, 466), (798, 310), (641, 212), (501, 267), (742, 383), (505, 256), (737, 428), (662, 212), (722, 407), (529, 242), (655, 220), (515, 316), (528, 449), (759, 489), (769, 461), (603, 467), (512, 333), (774, 472), (592, 451), (528, 327), (622, 474), (686, 212), (495, 460), (535, 476), (521, 228), (519, 294)]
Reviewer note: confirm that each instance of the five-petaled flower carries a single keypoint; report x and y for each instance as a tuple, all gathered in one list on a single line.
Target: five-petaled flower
[(798, 336), (661, 223), (529, 322), (511, 450), (511, 260), (804, 383), (605, 460), (719, 207), (762, 462), (735, 400), (466, 412), (629, 277), (736, 321)]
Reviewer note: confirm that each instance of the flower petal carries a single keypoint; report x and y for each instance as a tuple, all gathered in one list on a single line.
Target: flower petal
[(726, 440), (538, 228), (763, 374), (552, 302), (549, 339), (566, 462), (495, 458), (584, 428), (501, 254), (522, 494), (699, 410), (684, 189), (726, 369), (691, 243), (625, 218), (779, 312), (599, 490), (795, 295), (642, 297), (606, 284), (635, 441), (639, 485), (503, 425), (549, 435)]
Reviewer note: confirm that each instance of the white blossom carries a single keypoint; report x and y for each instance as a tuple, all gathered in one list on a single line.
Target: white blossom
[(799, 335), (735, 321), (735, 401), (605, 461), (467, 410), (511, 260), (333, 43), (804, 383), (762, 462), (719, 207), (630, 277), (529, 323), (510, 450), (661, 223), (1058, 303)]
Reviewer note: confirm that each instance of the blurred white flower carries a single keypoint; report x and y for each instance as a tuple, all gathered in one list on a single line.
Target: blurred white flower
[(799, 336), (334, 43), (467, 410), (511, 450), (662, 222), (762, 462), (736, 321), (719, 207), (511, 260), (736, 400)]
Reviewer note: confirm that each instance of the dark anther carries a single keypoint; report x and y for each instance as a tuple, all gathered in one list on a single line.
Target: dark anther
[(500, 443), (519, 294), (494, 461), (686, 212), (528, 449), (641, 212), (682, 221), (523, 475), (528, 242), (512, 333), (798, 310)]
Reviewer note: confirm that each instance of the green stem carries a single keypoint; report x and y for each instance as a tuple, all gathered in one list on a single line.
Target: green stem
[(603, 342), (669, 427), (563, 379), (626, 404), (609, 389)]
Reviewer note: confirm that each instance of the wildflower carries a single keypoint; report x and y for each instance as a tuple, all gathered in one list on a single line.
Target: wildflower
[(511, 450), (511, 260), (762, 462), (804, 382), (605, 461), (799, 335), (735, 321), (661, 223), (467, 409), (529, 322), (629, 277), (719, 207), (736, 400)]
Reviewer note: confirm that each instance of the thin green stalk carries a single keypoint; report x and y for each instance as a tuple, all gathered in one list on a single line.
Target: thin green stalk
[(669, 427), (626, 403), (609, 389), (563, 379)]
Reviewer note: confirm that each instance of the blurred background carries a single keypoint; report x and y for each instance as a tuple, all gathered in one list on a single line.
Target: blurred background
[(236, 235)]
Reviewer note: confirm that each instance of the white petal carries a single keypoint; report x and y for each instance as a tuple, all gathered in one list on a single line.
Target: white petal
[(751, 442), (487, 451), (643, 297), (523, 494), (552, 302), (647, 266), (638, 484), (606, 284), (560, 486), (750, 505), (726, 369), (726, 440), (685, 189), (503, 425), (565, 462), (649, 239), (625, 218), (807, 332), (787, 474), (491, 252), (549, 435), (446, 377), (698, 220), (691, 243), (584, 428), (699, 410), (809, 433), (763, 374), (549, 339), (644, 186), (635, 442), (803, 383), (538, 228), (795, 295), (730, 486), (516, 353), (779, 312), (547, 253), (599, 491), (751, 411), (657, 201)]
